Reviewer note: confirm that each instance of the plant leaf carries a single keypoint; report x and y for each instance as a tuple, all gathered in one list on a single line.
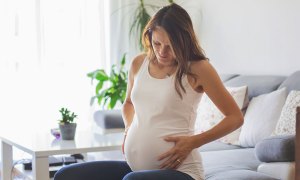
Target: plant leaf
[(101, 75), (105, 101), (116, 87), (99, 86), (98, 74), (140, 19), (123, 60), (113, 101), (98, 97)]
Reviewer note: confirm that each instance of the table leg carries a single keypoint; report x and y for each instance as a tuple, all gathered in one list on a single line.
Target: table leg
[(40, 168), (7, 161)]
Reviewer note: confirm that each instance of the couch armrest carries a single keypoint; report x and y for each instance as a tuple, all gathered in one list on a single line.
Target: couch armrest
[(109, 119), (276, 149), (297, 144), (278, 170)]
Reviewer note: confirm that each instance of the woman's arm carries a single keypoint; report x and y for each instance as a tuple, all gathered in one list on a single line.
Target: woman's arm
[(127, 108), (212, 85), (209, 81)]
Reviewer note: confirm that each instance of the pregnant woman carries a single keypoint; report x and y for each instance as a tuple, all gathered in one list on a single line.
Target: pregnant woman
[(164, 89)]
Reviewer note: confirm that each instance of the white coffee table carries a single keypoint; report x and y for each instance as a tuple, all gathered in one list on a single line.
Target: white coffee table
[(43, 145)]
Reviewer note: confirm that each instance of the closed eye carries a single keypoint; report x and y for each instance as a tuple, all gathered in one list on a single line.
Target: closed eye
[(156, 43)]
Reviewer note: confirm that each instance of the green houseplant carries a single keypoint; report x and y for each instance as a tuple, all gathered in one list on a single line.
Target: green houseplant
[(67, 124), (140, 20), (110, 88)]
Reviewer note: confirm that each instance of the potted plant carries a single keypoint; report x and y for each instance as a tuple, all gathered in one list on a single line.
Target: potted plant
[(140, 20), (117, 80), (110, 88), (67, 125)]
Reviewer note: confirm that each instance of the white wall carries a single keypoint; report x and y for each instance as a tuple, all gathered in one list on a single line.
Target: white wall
[(242, 36), (251, 36), (120, 21)]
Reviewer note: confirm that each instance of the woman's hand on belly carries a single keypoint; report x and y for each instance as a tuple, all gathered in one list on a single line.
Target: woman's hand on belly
[(177, 154)]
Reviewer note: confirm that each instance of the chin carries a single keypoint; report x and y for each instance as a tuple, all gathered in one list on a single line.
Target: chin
[(165, 61)]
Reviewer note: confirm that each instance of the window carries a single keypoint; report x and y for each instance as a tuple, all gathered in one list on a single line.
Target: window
[(47, 48)]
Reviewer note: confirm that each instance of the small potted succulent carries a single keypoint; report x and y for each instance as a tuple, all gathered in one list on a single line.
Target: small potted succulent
[(67, 125)]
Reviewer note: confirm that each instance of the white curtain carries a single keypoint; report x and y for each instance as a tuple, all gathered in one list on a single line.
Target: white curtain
[(46, 49)]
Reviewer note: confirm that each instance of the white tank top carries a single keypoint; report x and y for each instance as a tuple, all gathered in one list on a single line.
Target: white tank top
[(160, 112)]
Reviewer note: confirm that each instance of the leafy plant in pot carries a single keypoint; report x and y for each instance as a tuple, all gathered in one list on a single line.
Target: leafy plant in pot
[(140, 19), (67, 124), (111, 88), (116, 90)]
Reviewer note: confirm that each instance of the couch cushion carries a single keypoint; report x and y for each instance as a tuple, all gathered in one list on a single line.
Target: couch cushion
[(208, 115), (257, 84), (109, 119), (232, 164), (239, 175), (217, 146), (234, 159), (287, 121), (261, 117), (276, 149), (292, 82), (280, 170)]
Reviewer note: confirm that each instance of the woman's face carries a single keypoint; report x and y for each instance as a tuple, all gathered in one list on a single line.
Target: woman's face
[(162, 47)]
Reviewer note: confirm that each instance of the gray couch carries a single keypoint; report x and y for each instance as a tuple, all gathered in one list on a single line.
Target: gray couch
[(223, 161)]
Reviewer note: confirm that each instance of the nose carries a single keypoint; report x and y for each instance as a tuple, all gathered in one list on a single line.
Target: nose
[(163, 51)]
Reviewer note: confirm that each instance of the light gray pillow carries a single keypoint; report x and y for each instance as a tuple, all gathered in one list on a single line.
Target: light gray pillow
[(109, 119), (261, 117), (276, 149), (292, 82)]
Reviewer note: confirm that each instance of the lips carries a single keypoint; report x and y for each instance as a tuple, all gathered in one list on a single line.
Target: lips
[(165, 60), (162, 57)]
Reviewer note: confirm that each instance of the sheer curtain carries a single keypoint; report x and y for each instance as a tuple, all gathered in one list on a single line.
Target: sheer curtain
[(46, 50)]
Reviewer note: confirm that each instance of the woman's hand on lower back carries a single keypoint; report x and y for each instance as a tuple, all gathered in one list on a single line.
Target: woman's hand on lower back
[(176, 155)]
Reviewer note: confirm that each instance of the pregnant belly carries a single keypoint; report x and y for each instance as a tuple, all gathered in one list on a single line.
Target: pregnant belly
[(142, 150)]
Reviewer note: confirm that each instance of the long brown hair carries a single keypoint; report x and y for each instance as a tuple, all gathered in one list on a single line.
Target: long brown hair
[(178, 25)]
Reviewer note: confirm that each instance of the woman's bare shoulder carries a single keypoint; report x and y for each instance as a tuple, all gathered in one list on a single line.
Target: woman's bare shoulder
[(204, 71), (201, 66), (137, 62)]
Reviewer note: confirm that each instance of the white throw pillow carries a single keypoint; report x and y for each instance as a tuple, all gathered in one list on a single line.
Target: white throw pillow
[(287, 121), (209, 115), (261, 117)]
